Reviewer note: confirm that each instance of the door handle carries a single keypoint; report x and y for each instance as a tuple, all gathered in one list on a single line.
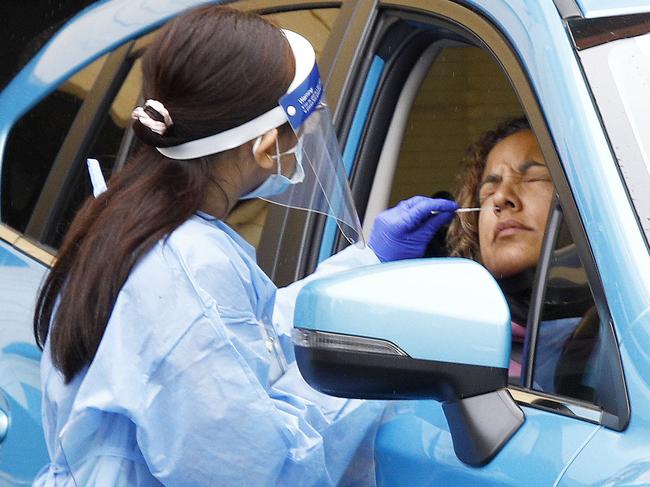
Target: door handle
[(4, 424)]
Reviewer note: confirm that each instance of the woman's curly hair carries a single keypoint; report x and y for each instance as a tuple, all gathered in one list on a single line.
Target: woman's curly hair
[(462, 237)]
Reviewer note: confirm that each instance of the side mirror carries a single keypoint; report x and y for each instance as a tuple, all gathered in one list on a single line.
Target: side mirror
[(419, 329)]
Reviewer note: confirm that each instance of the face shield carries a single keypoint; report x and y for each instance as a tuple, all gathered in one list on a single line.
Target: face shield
[(323, 188)]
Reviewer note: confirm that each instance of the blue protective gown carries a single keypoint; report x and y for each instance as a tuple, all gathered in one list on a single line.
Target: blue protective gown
[(194, 385)]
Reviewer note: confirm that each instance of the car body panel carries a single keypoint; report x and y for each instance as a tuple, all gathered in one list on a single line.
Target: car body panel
[(539, 37), (413, 445), (20, 395), (620, 458), (608, 8), (615, 236)]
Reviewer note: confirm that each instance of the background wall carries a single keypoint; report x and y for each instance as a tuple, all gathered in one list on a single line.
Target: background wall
[(26, 26), (464, 94)]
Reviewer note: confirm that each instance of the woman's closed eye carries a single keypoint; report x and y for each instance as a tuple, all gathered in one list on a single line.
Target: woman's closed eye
[(536, 178), (533, 172), (487, 191)]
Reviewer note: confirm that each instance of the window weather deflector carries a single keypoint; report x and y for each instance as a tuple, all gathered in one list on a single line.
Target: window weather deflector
[(594, 32)]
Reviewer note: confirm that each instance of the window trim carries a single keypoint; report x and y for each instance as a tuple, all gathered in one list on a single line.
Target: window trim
[(564, 406), (539, 291), (31, 249), (587, 33)]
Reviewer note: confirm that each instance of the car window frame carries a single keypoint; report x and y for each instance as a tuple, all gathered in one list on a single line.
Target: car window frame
[(32, 249), (503, 53), (68, 162), (385, 104)]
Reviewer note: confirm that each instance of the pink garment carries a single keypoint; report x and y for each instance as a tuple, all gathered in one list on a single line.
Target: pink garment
[(518, 334)]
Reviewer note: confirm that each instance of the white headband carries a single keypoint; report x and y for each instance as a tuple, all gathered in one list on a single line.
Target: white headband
[(305, 57)]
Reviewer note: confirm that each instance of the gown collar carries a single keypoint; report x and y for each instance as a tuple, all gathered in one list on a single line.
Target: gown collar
[(213, 220)]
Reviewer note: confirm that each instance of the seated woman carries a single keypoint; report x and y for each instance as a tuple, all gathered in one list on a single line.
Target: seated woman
[(506, 175)]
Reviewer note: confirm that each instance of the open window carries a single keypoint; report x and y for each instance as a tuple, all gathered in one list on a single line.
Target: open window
[(435, 89), (453, 93)]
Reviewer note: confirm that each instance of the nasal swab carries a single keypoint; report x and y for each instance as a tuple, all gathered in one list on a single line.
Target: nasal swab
[(465, 210)]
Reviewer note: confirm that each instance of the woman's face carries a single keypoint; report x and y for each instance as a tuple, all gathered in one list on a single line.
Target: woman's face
[(516, 182)]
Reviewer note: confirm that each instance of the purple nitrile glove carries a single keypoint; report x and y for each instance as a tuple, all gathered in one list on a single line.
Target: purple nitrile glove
[(404, 231)]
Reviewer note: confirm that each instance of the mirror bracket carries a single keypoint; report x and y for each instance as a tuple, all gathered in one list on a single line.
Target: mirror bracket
[(481, 425)]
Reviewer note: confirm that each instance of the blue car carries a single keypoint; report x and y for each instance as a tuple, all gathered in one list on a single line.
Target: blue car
[(411, 84)]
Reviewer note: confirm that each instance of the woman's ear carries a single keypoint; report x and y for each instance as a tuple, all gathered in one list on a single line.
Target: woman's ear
[(261, 149)]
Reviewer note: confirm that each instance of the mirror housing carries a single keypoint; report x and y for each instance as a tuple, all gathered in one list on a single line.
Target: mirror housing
[(418, 329)]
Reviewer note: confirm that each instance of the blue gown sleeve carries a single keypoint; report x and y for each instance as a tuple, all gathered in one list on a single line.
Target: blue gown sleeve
[(229, 425), (205, 419)]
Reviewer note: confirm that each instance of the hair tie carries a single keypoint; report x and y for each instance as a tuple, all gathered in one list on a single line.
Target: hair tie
[(158, 126)]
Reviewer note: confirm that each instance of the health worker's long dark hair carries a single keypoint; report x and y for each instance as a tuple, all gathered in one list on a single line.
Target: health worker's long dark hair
[(213, 68)]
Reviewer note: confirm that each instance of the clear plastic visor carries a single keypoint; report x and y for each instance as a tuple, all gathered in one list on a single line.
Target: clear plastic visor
[(325, 187)]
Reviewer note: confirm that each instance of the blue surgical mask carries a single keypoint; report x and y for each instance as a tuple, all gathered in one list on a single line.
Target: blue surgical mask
[(277, 183)]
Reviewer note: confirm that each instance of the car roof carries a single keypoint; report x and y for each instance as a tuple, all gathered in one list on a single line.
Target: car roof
[(608, 8)]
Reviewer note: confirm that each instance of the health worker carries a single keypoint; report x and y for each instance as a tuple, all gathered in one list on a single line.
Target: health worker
[(163, 363)]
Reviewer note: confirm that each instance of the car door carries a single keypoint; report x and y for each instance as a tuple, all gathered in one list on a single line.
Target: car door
[(59, 111), (612, 50), (429, 77), (22, 267)]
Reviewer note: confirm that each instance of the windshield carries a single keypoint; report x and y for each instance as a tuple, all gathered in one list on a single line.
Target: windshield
[(619, 75)]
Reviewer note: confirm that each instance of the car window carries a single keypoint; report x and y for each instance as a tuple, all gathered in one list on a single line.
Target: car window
[(34, 142), (460, 94), (619, 75), (576, 353), (111, 144), (37, 139), (435, 118)]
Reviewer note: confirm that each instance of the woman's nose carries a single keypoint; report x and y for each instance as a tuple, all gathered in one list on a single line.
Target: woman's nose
[(506, 197)]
